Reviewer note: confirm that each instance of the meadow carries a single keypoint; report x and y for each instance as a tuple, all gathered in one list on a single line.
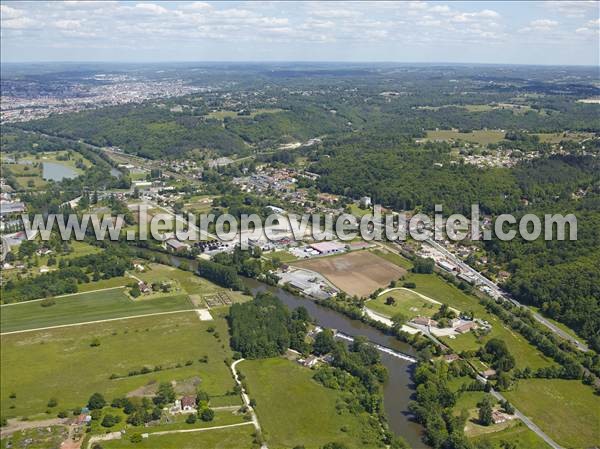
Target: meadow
[(83, 307), (482, 137), (517, 434), (566, 410), (406, 302), (71, 363), (294, 409), (232, 438)]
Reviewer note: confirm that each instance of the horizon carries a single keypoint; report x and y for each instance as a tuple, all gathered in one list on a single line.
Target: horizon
[(492, 33)]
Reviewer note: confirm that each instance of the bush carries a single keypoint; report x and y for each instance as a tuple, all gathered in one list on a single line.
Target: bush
[(207, 414), (135, 438), (52, 402), (191, 419), (96, 401)]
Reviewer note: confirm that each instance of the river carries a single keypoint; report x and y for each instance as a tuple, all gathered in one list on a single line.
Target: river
[(398, 389)]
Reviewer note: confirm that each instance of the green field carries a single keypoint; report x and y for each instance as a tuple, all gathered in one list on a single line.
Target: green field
[(233, 438), (408, 303), (62, 364), (84, 307), (394, 258), (482, 137), (283, 256), (566, 410), (221, 115), (518, 434), (293, 409)]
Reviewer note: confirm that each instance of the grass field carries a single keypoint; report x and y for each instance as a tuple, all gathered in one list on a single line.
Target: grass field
[(517, 434), (566, 410), (232, 438), (408, 303), (482, 137), (357, 273), (85, 307), (293, 409), (283, 256), (62, 363), (221, 115)]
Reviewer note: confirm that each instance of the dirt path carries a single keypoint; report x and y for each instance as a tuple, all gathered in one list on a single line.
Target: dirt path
[(246, 400)]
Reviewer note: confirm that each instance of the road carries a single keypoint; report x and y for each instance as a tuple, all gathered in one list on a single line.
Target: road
[(481, 279)]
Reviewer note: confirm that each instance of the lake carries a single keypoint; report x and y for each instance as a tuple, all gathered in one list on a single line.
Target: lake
[(57, 172)]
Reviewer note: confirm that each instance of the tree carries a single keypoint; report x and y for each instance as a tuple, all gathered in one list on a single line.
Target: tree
[(390, 301), (110, 420), (398, 320), (135, 438), (207, 414), (191, 419), (165, 394), (324, 342), (96, 401), (485, 413)]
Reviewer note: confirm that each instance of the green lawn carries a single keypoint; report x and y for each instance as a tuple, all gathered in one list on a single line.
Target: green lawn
[(517, 434), (408, 303), (566, 410), (294, 409), (84, 307), (62, 364), (232, 438), (283, 256), (394, 258)]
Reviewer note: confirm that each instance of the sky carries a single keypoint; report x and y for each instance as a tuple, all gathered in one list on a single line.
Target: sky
[(516, 32)]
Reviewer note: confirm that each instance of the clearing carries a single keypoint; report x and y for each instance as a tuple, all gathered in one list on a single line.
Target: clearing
[(409, 303)]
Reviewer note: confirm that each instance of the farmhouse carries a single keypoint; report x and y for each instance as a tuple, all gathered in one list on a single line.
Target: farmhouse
[(188, 404), (488, 373), (449, 358), (325, 248), (424, 321), (466, 327), (499, 417)]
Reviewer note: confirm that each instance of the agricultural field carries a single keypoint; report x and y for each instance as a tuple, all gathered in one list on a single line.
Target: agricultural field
[(566, 410), (567, 135), (240, 437), (84, 307), (358, 273), (293, 409), (407, 302), (71, 363), (482, 137)]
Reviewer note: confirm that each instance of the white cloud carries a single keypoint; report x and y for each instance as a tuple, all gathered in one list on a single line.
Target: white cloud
[(151, 8), (543, 24), (67, 24), (20, 23), (9, 13)]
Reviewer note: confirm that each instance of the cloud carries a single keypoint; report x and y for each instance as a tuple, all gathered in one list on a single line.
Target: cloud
[(67, 24), (572, 9), (151, 8), (20, 23), (543, 24), (9, 13)]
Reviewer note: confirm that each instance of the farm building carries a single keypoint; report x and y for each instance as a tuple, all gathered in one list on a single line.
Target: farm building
[(325, 248), (466, 327)]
